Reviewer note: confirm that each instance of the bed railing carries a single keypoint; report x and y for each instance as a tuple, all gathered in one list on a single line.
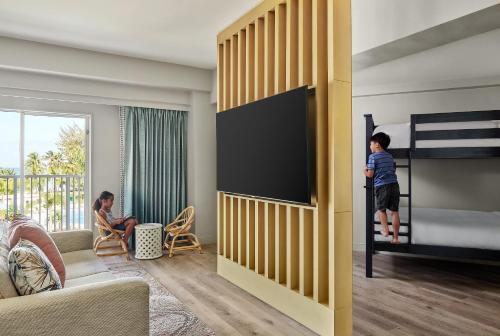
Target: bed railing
[(455, 134)]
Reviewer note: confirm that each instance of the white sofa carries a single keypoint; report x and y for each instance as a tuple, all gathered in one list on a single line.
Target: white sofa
[(93, 301)]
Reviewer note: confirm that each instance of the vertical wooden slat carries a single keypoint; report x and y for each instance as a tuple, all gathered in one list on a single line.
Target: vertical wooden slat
[(259, 58), (320, 80), (259, 237), (234, 71), (227, 226), (234, 229), (242, 231), (306, 252), (305, 42), (316, 251), (231, 225), (280, 49), (291, 44), (292, 241), (270, 228), (220, 77), (269, 54), (242, 54), (280, 246), (250, 63), (220, 223), (227, 74), (250, 234)]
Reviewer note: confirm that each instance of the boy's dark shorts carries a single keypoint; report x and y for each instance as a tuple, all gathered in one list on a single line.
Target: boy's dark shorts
[(387, 197)]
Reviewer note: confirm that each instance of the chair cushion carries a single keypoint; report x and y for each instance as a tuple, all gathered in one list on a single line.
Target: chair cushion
[(31, 270), (35, 234), (89, 279), (82, 263), (7, 288)]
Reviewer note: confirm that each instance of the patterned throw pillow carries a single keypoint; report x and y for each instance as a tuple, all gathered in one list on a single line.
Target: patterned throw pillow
[(30, 269)]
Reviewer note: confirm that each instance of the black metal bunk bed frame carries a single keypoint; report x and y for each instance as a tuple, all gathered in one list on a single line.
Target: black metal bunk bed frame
[(429, 153)]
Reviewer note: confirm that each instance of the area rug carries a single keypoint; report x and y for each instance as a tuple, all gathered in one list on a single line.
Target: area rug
[(167, 315)]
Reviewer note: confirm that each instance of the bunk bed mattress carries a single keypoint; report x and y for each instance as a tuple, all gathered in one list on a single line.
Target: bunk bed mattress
[(444, 227), (400, 134)]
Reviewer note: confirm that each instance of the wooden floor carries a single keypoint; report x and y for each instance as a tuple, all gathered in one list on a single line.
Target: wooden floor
[(408, 296)]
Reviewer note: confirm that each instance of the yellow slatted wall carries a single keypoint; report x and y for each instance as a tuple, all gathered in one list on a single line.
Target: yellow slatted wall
[(296, 258)]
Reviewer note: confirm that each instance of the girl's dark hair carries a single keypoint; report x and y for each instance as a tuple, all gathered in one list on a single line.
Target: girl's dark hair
[(382, 139), (104, 196)]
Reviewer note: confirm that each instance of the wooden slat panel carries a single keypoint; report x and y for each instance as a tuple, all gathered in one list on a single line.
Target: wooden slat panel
[(234, 229), (305, 42), (269, 55), (291, 44), (259, 58), (234, 71), (227, 74), (220, 77), (280, 49), (250, 234), (259, 237), (270, 218), (320, 80), (242, 63), (250, 63)]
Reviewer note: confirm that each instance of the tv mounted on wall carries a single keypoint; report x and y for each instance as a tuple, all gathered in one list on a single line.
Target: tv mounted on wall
[(265, 149)]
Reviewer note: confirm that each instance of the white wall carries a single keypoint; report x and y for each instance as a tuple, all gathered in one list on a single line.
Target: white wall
[(202, 165), (382, 21)]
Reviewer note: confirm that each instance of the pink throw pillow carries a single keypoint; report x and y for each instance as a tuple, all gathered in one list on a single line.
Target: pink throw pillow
[(40, 238)]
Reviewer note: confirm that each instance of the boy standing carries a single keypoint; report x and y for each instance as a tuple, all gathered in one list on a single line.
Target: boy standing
[(381, 166)]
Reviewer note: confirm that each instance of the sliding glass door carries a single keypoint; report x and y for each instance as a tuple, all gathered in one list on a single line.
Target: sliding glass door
[(43, 168)]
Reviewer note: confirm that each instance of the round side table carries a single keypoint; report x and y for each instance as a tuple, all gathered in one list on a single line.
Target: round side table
[(148, 241)]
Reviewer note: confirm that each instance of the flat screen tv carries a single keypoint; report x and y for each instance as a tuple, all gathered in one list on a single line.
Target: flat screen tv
[(265, 148)]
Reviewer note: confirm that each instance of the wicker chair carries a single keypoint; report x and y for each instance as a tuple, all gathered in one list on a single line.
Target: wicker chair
[(178, 230), (108, 234)]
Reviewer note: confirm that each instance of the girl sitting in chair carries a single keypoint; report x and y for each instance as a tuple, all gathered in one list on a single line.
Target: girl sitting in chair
[(103, 205)]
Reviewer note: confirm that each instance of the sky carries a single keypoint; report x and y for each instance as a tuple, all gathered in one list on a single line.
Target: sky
[(41, 135)]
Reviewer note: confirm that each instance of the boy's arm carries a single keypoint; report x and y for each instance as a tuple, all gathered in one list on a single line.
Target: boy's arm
[(369, 169), (368, 172)]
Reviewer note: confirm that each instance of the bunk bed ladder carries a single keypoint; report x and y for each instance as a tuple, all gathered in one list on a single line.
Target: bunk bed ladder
[(370, 204)]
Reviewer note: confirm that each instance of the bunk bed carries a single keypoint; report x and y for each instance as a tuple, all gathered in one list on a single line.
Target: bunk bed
[(437, 232)]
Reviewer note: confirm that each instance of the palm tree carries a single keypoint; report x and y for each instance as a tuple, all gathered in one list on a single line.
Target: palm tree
[(34, 164), (4, 187), (54, 162)]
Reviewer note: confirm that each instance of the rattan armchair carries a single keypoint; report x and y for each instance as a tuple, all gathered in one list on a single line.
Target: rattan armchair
[(178, 231), (108, 234)]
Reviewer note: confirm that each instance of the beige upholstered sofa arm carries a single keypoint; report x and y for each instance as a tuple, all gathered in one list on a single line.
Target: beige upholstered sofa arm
[(76, 240), (114, 308)]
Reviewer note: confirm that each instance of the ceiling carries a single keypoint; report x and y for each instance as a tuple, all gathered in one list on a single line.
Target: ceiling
[(181, 32)]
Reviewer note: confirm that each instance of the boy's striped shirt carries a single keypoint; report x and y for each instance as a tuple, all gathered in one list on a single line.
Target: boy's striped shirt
[(383, 165)]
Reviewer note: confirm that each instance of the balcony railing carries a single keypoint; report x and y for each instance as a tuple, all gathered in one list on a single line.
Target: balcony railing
[(55, 201)]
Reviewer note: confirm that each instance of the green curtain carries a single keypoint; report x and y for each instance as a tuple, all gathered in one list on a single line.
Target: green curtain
[(154, 167)]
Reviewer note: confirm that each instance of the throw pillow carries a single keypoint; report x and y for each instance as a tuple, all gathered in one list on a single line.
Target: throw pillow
[(40, 237), (30, 270), (7, 288)]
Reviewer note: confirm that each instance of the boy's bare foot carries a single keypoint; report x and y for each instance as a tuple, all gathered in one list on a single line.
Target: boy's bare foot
[(385, 230), (395, 241)]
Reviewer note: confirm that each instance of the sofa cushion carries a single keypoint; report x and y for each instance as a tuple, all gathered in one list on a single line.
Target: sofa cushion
[(31, 270), (20, 219), (40, 237), (90, 279), (82, 263), (7, 288)]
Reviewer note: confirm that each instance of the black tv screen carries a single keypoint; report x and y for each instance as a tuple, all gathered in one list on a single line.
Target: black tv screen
[(265, 148)]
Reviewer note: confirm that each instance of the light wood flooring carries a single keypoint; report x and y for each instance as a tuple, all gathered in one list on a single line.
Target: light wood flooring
[(408, 296)]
